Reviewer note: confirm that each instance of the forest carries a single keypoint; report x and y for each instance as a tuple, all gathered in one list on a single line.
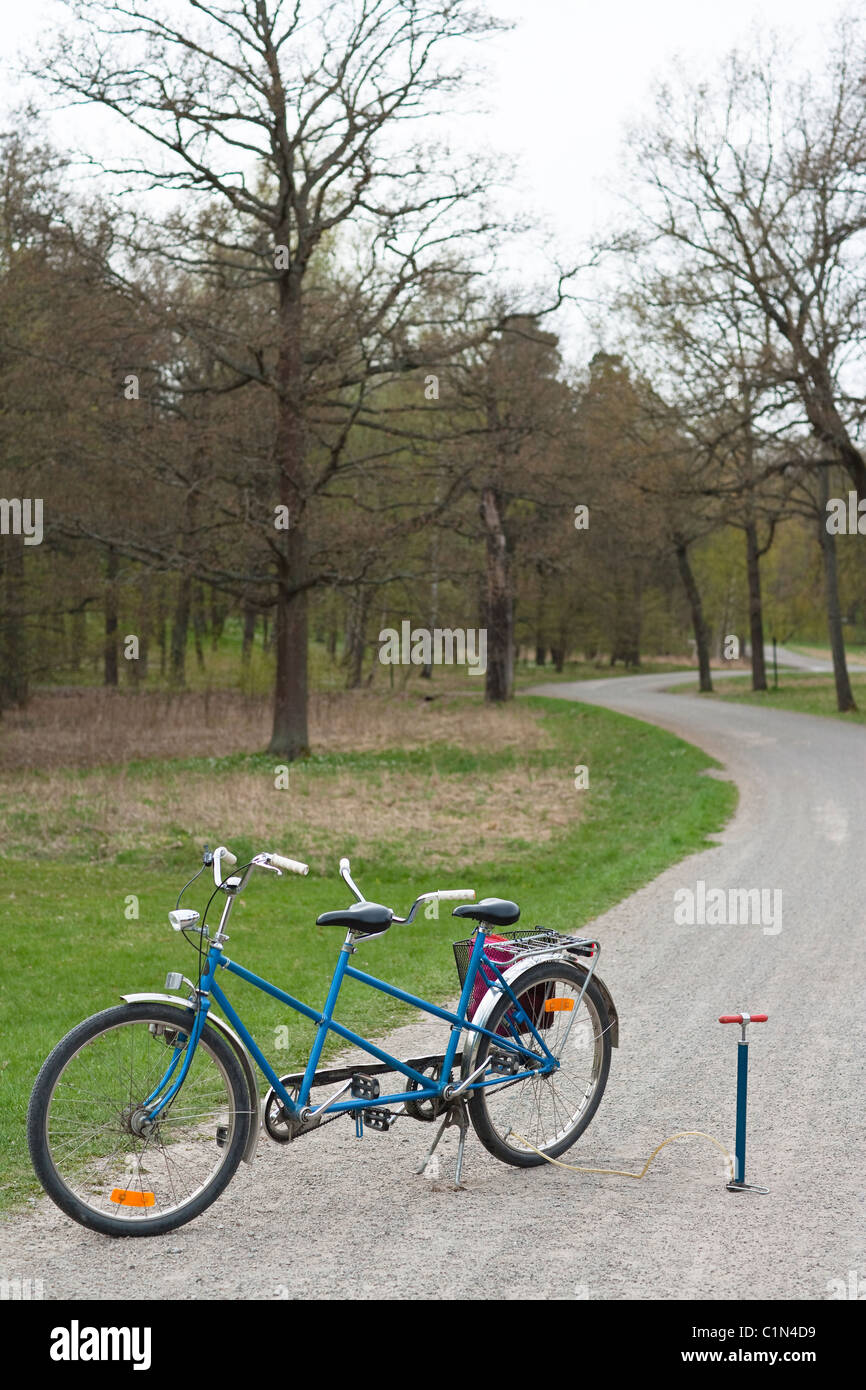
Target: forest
[(265, 398)]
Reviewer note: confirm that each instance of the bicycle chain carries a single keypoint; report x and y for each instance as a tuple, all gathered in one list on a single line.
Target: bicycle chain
[(401, 1114)]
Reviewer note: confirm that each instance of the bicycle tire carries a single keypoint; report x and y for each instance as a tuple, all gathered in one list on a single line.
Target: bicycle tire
[(82, 1100), (549, 1111)]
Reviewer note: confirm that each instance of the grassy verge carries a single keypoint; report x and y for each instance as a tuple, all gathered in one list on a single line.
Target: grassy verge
[(806, 693), (856, 651), (505, 820), (528, 675)]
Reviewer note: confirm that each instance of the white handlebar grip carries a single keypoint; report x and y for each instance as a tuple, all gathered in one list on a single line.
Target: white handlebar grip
[(227, 855), (292, 866), (345, 867), (456, 894)]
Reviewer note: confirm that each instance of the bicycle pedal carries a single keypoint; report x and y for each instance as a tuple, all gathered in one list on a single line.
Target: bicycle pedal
[(505, 1062), (381, 1120), (364, 1087)]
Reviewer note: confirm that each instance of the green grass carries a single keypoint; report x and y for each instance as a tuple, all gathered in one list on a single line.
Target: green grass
[(530, 674), (856, 651), (222, 668), (70, 950), (806, 693)]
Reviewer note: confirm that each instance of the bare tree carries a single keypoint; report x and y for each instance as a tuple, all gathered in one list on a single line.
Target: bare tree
[(289, 117), (759, 184)]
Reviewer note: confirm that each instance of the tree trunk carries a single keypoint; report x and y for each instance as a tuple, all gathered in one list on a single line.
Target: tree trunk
[(427, 671), (699, 626), (199, 625), (249, 635), (756, 618), (218, 610), (540, 624), (145, 626), (627, 621), (357, 638), (179, 631), (499, 608), (184, 596), (844, 694), (78, 638), (141, 665), (110, 650), (14, 663), (290, 738), (830, 428)]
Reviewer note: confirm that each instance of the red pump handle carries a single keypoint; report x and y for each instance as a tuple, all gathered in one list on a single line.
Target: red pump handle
[(738, 1018)]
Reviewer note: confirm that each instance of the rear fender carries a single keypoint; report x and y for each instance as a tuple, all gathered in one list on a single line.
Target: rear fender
[(242, 1055), (492, 996)]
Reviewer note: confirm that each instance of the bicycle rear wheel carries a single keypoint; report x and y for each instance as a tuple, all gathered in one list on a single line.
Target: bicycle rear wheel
[(552, 1111), (84, 1125)]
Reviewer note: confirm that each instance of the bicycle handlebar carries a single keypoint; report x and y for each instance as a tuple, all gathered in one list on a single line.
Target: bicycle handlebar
[(292, 866), (262, 861), (220, 854), (437, 894)]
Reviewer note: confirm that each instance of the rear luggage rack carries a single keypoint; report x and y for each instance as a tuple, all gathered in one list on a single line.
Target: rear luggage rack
[(508, 947)]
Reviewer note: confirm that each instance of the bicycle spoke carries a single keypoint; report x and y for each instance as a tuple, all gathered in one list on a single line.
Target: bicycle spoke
[(549, 1106), (94, 1102)]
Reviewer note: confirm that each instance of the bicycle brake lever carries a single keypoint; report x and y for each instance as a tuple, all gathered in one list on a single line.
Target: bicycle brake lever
[(261, 862)]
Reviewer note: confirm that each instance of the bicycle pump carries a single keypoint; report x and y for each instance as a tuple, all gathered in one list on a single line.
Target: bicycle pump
[(738, 1182)]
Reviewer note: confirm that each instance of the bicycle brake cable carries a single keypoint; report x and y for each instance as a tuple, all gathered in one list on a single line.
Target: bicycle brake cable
[(186, 885)]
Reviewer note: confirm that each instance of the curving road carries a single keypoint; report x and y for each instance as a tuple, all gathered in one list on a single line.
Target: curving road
[(331, 1217)]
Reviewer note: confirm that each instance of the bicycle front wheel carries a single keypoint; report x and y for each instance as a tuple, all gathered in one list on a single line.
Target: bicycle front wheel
[(91, 1145), (547, 1112)]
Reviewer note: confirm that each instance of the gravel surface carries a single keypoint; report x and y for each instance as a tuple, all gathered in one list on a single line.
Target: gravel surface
[(330, 1216)]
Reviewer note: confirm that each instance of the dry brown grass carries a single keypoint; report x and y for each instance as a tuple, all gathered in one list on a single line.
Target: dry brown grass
[(109, 809), (91, 728), (443, 818)]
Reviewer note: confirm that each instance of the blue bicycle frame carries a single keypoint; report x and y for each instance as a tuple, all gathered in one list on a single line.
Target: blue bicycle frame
[(425, 1087)]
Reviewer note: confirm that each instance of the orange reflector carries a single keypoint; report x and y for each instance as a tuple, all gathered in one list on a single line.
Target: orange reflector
[(132, 1199), (558, 1006)]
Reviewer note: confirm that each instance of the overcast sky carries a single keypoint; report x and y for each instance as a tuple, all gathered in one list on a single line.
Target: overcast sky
[(563, 85)]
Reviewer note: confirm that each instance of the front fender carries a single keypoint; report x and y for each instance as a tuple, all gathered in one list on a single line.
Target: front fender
[(242, 1055), (491, 997)]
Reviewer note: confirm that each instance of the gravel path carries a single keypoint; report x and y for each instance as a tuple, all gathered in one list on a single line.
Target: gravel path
[(333, 1217)]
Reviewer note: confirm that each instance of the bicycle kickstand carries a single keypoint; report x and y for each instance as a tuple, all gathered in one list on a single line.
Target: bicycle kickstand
[(457, 1115)]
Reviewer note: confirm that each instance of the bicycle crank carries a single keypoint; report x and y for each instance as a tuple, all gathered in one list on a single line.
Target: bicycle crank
[(431, 1107)]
